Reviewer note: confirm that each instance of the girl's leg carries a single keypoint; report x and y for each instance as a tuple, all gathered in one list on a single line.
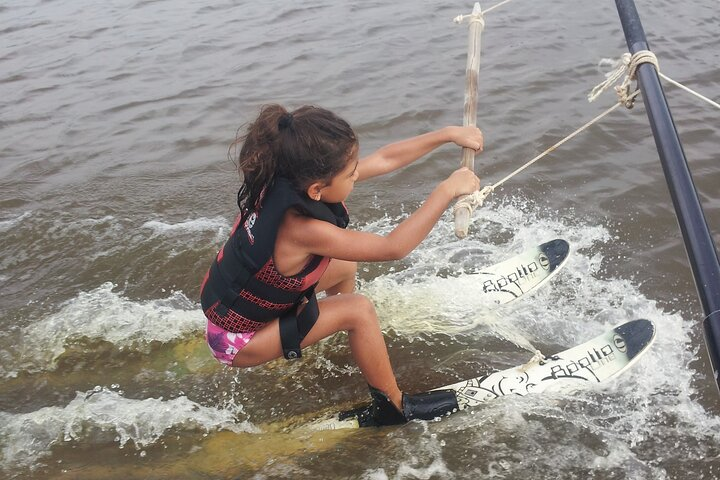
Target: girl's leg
[(352, 313), (338, 278)]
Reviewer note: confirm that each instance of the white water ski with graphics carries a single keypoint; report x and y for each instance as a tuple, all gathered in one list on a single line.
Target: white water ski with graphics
[(592, 362), (599, 359), (515, 277)]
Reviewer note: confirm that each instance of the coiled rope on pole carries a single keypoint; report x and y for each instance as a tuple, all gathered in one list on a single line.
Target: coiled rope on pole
[(627, 65)]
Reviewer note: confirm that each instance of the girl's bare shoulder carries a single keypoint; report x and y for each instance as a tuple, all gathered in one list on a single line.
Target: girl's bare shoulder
[(304, 230)]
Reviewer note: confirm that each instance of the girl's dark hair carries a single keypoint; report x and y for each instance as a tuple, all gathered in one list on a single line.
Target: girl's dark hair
[(307, 145)]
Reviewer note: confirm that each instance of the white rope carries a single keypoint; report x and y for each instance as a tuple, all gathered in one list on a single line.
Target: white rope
[(488, 10), (569, 137), (474, 200), (611, 78), (628, 64), (637, 59), (689, 90)]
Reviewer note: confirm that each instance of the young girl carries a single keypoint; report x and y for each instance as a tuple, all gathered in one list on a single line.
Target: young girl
[(290, 241)]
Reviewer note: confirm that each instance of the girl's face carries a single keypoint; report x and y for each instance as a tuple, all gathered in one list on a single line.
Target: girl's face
[(342, 184)]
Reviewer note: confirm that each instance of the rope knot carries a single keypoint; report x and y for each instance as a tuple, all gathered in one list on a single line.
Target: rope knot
[(627, 65), (474, 200), (475, 17)]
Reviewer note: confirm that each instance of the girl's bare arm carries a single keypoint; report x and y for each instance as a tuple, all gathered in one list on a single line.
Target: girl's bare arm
[(399, 154), (321, 238)]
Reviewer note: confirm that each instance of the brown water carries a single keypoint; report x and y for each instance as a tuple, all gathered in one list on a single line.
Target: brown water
[(115, 192)]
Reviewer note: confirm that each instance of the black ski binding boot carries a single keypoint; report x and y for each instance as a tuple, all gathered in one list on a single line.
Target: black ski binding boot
[(421, 406), (429, 405)]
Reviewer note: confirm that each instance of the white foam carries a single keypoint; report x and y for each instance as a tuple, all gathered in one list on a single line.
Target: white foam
[(422, 457), (424, 297), (102, 416), (89, 222), (103, 314), (11, 223), (217, 224)]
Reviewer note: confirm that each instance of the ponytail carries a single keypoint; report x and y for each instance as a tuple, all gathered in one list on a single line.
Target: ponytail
[(256, 162), (307, 145)]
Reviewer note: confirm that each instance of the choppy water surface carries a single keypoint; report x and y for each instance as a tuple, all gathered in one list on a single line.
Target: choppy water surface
[(115, 192)]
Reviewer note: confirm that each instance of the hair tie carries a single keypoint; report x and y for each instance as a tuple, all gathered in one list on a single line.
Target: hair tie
[(285, 121)]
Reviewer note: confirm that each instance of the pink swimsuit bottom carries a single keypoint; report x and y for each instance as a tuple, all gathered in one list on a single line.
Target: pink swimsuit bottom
[(223, 344)]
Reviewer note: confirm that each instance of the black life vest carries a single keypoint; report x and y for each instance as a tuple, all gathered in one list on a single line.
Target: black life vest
[(238, 280)]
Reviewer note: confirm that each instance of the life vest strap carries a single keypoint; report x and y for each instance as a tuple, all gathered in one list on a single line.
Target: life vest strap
[(228, 292), (295, 326)]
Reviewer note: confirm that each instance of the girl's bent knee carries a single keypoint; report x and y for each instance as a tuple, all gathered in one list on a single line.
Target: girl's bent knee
[(363, 303), (362, 309)]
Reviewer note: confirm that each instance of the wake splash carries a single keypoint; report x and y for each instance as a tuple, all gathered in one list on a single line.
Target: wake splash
[(610, 427), (102, 416), (102, 314)]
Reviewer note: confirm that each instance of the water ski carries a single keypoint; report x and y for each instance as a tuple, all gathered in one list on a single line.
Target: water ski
[(594, 361), (515, 277)]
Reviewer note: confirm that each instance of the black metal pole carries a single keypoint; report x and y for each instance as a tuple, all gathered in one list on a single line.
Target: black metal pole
[(696, 234)]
